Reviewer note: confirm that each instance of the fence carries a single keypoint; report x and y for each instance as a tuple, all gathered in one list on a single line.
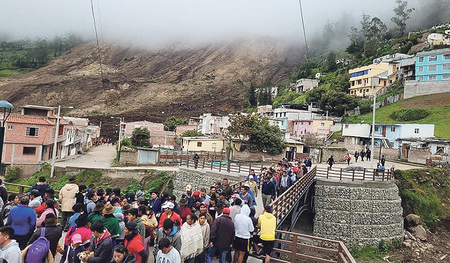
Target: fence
[(365, 174), (291, 247), (282, 206)]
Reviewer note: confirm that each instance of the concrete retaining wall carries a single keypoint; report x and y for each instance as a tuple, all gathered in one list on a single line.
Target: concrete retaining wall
[(418, 88), (357, 213)]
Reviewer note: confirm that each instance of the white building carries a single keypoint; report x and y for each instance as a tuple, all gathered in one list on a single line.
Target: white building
[(303, 85), (209, 124)]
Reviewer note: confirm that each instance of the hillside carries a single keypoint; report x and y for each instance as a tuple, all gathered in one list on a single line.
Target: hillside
[(437, 104), (140, 84)]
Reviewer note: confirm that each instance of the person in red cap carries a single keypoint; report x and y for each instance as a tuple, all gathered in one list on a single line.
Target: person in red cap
[(222, 235), (192, 202)]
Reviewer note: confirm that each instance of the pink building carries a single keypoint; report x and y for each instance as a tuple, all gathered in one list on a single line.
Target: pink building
[(158, 136), (302, 127), (29, 138)]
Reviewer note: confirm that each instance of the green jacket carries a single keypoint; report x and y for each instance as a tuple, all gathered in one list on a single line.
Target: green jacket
[(94, 218), (111, 223), (141, 228)]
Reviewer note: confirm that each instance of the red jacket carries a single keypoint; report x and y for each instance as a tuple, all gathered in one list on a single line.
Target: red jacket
[(135, 246), (173, 217), (40, 209), (185, 212)]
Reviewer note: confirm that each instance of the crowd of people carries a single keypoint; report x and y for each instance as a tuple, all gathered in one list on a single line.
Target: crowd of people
[(105, 225)]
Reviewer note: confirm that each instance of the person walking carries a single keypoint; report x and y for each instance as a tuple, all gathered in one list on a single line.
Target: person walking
[(41, 186), (362, 154), (268, 191), (191, 239), (23, 220), (347, 157), (285, 183), (267, 223), (10, 248), (330, 161), (356, 156), (167, 253), (383, 161), (222, 235), (133, 242), (243, 226), (67, 198), (51, 232), (368, 154)]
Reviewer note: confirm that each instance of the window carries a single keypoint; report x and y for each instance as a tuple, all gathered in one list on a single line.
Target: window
[(440, 149), (322, 124), (359, 82), (446, 66), (367, 90), (32, 132), (376, 128), (29, 150), (420, 69), (213, 145), (446, 56), (432, 58), (360, 90), (416, 130), (10, 127), (392, 129), (199, 144), (432, 77), (432, 67), (420, 59), (446, 76)]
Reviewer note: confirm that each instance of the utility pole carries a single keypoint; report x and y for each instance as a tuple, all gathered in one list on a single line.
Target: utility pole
[(55, 143)]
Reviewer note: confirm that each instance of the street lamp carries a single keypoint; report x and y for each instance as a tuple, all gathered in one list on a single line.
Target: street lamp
[(375, 82), (7, 108), (121, 120), (55, 142)]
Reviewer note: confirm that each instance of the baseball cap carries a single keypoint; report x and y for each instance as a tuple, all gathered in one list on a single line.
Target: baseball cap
[(168, 205), (76, 239), (196, 193), (226, 210), (188, 187)]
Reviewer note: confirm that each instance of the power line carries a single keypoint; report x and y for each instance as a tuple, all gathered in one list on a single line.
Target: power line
[(96, 37), (304, 31)]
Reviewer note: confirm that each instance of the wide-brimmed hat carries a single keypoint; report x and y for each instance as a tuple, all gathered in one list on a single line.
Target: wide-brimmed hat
[(108, 209), (182, 202), (126, 208), (99, 207)]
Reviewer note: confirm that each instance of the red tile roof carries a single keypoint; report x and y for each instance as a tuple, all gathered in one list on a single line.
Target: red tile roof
[(29, 120)]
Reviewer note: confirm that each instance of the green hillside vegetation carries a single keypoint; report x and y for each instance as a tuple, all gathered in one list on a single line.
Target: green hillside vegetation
[(437, 105)]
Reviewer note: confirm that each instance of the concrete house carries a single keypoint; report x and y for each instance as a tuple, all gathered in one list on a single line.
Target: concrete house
[(29, 138), (303, 85), (433, 65), (197, 144)]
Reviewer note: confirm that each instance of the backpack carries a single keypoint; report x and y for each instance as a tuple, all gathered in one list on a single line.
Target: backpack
[(38, 251)]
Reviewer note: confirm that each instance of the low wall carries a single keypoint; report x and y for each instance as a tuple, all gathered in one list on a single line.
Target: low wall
[(116, 173), (415, 88), (357, 213), (198, 178), (256, 157)]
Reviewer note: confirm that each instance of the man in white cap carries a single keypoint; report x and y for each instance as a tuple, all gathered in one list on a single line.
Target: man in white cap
[(188, 191)]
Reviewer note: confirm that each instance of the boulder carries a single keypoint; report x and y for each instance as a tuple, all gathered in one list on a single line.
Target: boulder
[(419, 232), (412, 220)]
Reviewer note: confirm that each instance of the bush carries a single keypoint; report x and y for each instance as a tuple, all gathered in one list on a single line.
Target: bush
[(427, 206), (125, 142), (12, 174), (409, 114)]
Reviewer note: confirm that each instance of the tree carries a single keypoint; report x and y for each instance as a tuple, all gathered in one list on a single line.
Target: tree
[(172, 122), (337, 102), (191, 133), (141, 137), (252, 101), (331, 62), (258, 132), (356, 42), (402, 14)]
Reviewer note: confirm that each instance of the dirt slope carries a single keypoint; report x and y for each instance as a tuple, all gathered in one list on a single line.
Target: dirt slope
[(142, 84)]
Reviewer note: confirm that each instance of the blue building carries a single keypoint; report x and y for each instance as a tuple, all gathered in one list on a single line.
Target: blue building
[(433, 65)]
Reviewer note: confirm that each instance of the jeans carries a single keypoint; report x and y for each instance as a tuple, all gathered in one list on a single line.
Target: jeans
[(22, 240), (64, 223), (266, 199), (222, 254)]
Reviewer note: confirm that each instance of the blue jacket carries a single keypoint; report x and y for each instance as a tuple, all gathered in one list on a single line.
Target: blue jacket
[(22, 219), (156, 205), (268, 188)]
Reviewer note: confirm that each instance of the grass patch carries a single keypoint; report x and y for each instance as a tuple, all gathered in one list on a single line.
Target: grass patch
[(336, 135), (425, 193), (438, 115), (376, 253)]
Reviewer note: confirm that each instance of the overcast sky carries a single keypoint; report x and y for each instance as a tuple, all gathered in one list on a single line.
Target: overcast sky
[(151, 22)]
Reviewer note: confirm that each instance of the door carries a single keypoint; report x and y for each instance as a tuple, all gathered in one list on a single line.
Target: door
[(147, 157)]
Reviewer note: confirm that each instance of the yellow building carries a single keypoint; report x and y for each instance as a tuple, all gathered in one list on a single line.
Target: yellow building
[(361, 78), (203, 144), (321, 127)]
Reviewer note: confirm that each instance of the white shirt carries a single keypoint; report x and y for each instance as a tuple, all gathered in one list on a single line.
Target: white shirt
[(172, 257)]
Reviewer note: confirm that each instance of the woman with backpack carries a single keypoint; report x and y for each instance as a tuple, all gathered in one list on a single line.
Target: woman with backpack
[(52, 233), (49, 209)]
